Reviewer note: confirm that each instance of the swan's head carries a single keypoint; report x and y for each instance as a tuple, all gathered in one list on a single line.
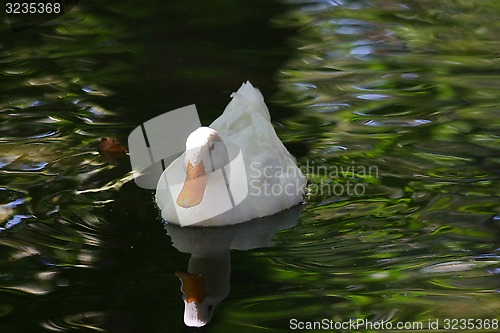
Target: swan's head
[(205, 153)]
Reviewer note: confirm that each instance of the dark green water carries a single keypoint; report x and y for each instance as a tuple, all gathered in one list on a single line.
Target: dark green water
[(392, 108)]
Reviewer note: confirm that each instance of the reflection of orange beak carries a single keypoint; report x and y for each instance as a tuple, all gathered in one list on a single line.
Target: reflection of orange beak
[(194, 186), (192, 286)]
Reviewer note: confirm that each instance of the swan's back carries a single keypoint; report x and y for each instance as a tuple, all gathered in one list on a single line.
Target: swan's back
[(269, 166)]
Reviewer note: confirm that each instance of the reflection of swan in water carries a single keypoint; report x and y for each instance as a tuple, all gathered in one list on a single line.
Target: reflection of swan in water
[(206, 282)]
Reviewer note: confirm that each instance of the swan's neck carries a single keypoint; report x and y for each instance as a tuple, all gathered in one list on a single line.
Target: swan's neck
[(205, 153)]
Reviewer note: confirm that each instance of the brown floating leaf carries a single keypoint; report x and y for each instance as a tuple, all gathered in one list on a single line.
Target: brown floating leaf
[(111, 145)]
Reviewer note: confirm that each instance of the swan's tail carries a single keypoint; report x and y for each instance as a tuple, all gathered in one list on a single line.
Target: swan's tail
[(243, 111), (253, 96)]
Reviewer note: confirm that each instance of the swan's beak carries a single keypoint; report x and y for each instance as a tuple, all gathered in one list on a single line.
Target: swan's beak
[(194, 186), (192, 287)]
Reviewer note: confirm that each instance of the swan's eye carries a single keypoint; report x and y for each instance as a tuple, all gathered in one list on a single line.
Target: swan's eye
[(212, 146), (210, 308)]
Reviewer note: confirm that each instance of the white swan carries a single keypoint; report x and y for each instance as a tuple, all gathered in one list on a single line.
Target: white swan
[(233, 171)]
